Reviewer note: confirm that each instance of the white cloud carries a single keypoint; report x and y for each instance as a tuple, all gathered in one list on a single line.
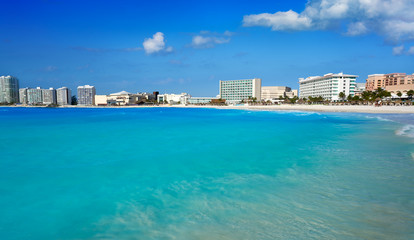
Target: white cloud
[(393, 19), (357, 28), (208, 39), (289, 20), (156, 44), (411, 51), (398, 50)]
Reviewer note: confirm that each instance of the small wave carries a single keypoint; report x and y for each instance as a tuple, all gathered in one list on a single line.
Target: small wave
[(406, 131), (380, 119)]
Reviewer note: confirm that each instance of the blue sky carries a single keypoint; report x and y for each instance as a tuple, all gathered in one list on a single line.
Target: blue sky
[(191, 45)]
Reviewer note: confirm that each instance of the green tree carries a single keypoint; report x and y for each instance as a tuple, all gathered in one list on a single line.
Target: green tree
[(293, 100), (366, 95), (74, 100), (342, 96), (399, 94), (410, 94)]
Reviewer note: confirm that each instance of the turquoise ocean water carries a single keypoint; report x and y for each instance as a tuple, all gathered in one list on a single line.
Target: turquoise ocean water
[(171, 173)]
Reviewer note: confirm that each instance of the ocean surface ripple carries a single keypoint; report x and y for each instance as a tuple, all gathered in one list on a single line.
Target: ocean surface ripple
[(171, 173)]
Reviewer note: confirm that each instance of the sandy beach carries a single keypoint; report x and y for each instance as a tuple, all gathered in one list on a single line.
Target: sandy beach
[(328, 108), (285, 107)]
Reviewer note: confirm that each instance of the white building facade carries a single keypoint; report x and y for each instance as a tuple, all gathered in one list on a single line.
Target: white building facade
[(86, 95), (49, 96), (235, 91), (9, 89), (173, 98), (200, 100), (63, 96), (23, 95), (328, 86), (34, 96)]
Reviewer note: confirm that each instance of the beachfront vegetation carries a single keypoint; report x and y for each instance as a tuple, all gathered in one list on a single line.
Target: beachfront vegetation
[(74, 100)]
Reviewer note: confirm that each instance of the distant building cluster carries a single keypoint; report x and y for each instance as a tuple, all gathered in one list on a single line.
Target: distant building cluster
[(332, 87), (10, 93), (124, 98)]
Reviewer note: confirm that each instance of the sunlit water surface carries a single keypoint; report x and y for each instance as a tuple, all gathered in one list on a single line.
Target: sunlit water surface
[(171, 173)]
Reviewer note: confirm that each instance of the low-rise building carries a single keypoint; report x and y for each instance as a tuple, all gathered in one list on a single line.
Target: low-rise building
[(359, 88), (123, 98), (276, 92), (201, 100), (173, 98)]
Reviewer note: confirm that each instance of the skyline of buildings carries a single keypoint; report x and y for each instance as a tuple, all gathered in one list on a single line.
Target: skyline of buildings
[(233, 91)]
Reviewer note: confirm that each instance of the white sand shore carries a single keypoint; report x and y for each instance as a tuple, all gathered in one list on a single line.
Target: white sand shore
[(327, 108), (287, 107)]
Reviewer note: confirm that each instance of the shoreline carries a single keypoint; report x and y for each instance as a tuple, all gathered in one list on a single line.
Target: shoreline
[(307, 108)]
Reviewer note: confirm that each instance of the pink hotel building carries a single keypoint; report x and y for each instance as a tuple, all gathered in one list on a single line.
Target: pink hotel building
[(392, 82)]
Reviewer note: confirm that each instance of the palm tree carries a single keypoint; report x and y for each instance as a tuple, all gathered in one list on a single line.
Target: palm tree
[(410, 94), (342, 95), (399, 94)]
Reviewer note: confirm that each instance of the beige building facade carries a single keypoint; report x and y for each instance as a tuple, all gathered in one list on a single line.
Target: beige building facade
[(392, 82), (276, 92)]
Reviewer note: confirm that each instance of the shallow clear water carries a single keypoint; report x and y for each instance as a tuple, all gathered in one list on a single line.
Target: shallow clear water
[(170, 173)]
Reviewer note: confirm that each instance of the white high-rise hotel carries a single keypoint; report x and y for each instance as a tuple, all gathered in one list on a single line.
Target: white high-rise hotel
[(328, 86), (238, 90), (86, 95), (63, 96), (9, 89)]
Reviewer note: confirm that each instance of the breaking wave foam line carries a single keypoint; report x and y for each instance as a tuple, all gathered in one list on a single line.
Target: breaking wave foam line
[(406, 131)]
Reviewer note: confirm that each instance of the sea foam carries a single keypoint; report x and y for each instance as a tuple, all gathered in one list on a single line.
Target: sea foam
[(406, 131)]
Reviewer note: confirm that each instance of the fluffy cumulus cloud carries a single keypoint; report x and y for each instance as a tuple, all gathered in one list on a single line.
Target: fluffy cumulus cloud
[(411, 51), (156, 44), (393, 19), (398, 50), (208, 39)]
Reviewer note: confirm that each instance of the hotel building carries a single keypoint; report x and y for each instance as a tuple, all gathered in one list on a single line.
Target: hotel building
[(49, 96), (86, 95), (328, 86), (122, 98), (34, 96), (173, 98), (234, 91), (201, 100), (63, 96), (275, 92), (392, 82), (23, 95), (9, 89)]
